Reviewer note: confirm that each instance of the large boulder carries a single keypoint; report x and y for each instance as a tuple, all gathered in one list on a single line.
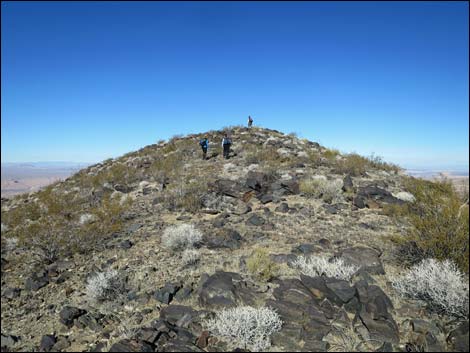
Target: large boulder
[(373, 313), (367, 259), (218, 291), (224, 238)]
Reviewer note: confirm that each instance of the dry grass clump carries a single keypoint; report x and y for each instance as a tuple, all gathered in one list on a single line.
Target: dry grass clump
[(439, 224), (260, 265), (328, 190), (185, 195)]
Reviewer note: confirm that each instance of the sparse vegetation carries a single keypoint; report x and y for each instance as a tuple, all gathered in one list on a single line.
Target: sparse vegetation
[(440, 284), (50, 226), (181, 237), (260, 265), (438, 224), (246, 327), (329, 190), (190, 257), (357, 165), (105, 286), (321, 265)]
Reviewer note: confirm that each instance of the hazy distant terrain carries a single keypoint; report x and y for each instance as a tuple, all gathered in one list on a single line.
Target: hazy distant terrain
[(18, 178)]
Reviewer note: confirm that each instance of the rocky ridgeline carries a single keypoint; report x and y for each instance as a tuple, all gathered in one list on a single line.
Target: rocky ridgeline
[(257, 199)]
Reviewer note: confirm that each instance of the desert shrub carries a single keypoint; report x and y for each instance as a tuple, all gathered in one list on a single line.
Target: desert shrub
[(352, 164), (440, 284), (438, 224), (181, 237), (105, 286), (265, 155), (190, 257), (260, 265), (377, 162), (314, 158), (331, 154), (321, 265), (357, 165), (50, 227), (328, 190), (250, 328), (186, 195)]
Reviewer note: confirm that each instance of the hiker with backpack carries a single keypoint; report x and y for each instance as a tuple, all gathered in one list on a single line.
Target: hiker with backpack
[(204, 143), (226, 142), (250, 121)]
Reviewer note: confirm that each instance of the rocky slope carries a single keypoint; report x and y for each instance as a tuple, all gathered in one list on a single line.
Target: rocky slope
[(255, 199)]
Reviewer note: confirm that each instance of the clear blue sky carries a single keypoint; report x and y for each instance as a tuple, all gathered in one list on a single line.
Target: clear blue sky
[(84, 81)]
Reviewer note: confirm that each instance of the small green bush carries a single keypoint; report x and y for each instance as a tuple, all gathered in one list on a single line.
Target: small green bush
[(260, 265), (439, 224)]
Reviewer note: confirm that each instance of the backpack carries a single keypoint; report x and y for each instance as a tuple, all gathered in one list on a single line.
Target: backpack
[(227, 141), (203, 143)]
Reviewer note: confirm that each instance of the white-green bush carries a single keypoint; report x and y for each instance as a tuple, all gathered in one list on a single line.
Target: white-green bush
[(440, 284), (319, 265), (190, 257), (104, 286), (183, 236), (246, 327)]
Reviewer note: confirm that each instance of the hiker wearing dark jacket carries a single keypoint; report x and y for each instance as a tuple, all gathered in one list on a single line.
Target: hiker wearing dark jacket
[(204, 143), (226, 142), (250, 121)]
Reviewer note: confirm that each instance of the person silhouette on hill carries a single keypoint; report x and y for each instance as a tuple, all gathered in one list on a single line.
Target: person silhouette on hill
[(204, 143), (250, 121), (226, 143)]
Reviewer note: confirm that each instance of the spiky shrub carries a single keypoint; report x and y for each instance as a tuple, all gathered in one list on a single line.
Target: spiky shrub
[(246, 327), (438, 224), (105, 286), (321, 265), (181, 237), (440, 284), (328, 190), (190, 257), (260, 265)]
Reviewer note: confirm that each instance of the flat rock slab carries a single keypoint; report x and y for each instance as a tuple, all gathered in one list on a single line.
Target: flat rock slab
[(255, 220), (366, 258), (218, 291)]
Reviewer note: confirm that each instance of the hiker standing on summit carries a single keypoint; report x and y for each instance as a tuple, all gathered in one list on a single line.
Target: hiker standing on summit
[(226, 142), (250, 121)]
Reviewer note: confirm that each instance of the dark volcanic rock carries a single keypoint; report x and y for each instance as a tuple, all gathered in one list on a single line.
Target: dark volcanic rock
[(47, 342), (459, 338), (175, 313), (70, 313), (225, 238), (255, 220), (283, 207), (366, 258), (264, 199), (348, 184), (374, 314), (11, 293), (224, 289), (179, 346), (165, 294), (131, 346), (35, 283)]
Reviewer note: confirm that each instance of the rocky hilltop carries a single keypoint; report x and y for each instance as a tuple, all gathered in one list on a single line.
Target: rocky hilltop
[(143, 252)]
